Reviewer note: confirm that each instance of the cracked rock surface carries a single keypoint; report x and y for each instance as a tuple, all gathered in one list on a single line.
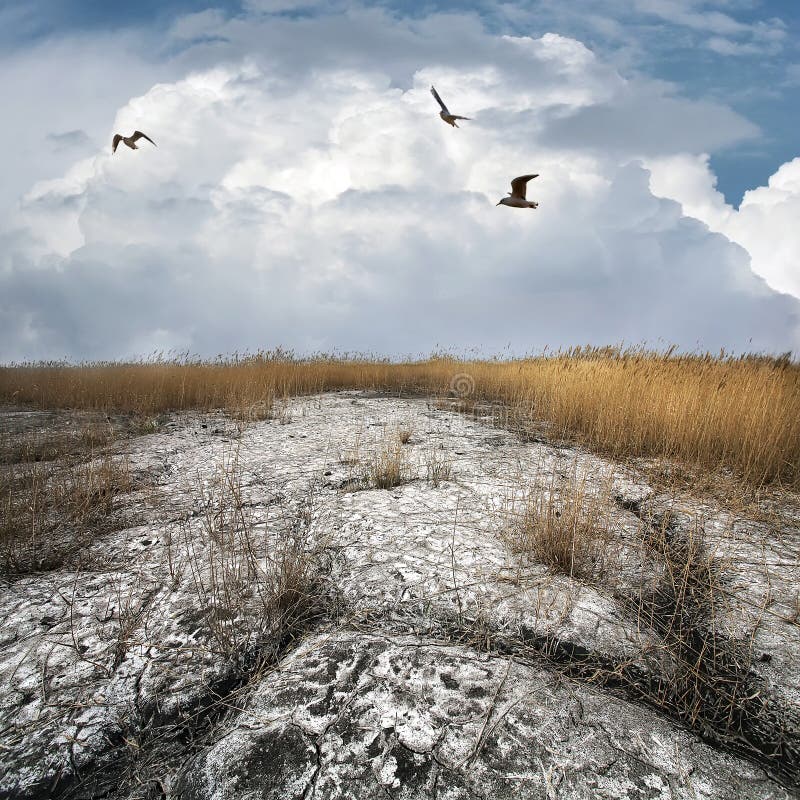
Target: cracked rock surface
[(416, 678), (351, 715)]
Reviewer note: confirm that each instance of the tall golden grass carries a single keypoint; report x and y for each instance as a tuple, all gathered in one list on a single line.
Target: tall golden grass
[(740, 414)]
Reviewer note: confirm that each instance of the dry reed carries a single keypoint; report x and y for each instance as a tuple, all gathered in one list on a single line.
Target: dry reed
[(740, 414), (693, 668)]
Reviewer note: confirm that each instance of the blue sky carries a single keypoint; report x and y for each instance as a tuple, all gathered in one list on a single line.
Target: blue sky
[(305, 194), (763, 85)]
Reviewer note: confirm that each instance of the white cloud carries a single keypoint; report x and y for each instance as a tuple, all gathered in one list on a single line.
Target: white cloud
[(279, 6), (765, 223), (312, 198), (792, 78), (642, 27), (692, 14), (767, 41), (64, 85)]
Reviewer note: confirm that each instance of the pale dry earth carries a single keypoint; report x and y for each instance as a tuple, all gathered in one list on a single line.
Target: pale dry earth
[(436, 662)]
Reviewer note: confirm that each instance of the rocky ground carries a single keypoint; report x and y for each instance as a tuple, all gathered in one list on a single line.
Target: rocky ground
[(264, 621)]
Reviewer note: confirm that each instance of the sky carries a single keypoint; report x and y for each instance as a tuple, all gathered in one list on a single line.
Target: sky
[(305, 194)]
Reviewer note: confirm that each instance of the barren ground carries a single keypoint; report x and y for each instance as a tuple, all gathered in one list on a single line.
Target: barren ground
[(435, 657)]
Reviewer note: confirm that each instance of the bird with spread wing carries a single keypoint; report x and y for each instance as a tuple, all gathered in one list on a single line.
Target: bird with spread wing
[(449, 118), (130, 140), (516, 198)]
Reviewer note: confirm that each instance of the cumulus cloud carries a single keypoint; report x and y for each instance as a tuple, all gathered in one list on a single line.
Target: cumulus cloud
[(318, 202), (765, 223), (68, 85)]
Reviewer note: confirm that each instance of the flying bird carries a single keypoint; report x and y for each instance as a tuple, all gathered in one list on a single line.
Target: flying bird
[(516, 198), (130, 140), (449, 118)]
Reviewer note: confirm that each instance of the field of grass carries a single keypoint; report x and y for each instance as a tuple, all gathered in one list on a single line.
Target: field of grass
[(740, 415)]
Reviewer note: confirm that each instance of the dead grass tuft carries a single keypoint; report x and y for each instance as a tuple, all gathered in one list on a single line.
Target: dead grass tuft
[(439, 468), (243, 409), (389, 467), (566, 528)]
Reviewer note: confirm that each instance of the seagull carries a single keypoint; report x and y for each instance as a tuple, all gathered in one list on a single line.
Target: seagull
[(517, 193), (130, 140), (449, 118)]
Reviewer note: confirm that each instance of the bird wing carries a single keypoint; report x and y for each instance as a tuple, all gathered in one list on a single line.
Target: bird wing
[(139, 135), (455, 116), (518, 185), (117, 139), (439, 100)]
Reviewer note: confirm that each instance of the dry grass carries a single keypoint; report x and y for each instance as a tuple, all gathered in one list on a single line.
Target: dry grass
[(717, 412), (51, 445), (404, 435), (706, 679), (50, 510), (255, 581), (692, 668), (439, 468), (566, 528), (351, 456), (58, 486), (389, 467), (244, 409)]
